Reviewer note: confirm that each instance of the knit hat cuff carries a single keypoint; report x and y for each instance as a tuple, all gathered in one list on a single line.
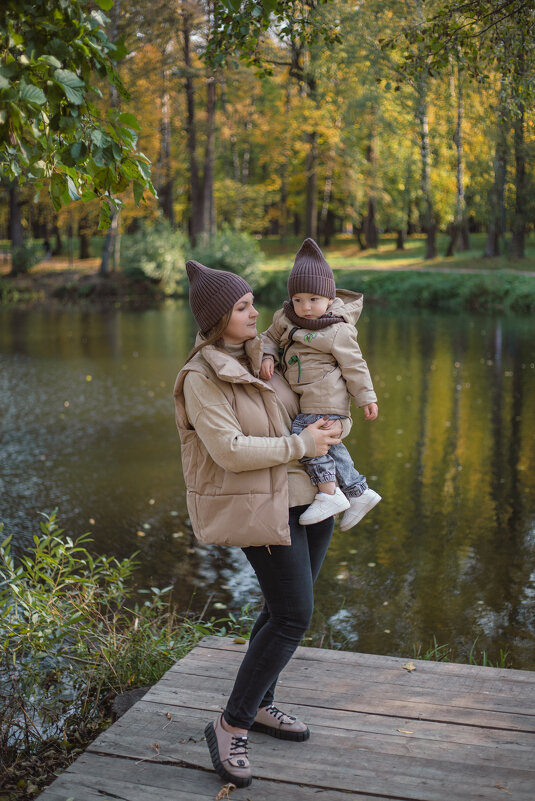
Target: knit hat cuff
[(312, 283)]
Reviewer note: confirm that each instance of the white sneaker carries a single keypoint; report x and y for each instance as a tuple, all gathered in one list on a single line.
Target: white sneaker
[(324, 506), (358, 508)]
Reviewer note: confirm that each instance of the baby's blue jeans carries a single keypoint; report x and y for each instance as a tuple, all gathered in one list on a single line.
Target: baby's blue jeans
[(336, 464)]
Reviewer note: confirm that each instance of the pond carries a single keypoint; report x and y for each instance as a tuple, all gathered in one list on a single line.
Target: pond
[(447, 558)]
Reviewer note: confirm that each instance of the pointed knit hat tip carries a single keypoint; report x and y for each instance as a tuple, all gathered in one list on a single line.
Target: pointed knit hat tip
[(212, 293), (311, 272), (311, 247)]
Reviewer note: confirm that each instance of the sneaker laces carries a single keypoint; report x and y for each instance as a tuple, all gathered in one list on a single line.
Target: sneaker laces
[(238, 746), (278, 714)]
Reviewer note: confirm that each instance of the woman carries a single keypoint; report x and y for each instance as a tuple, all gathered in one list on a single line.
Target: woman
[(242, 472)]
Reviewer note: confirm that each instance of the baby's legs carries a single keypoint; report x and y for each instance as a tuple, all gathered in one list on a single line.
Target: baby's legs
[(322, 473)]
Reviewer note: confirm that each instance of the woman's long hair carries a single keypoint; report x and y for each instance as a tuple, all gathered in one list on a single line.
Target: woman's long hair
[(213, 336)]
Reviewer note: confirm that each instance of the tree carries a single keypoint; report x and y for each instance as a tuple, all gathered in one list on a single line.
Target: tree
[(52, 131)]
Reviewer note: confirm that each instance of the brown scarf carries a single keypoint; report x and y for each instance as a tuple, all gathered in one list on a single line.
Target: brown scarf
[(312, 325)]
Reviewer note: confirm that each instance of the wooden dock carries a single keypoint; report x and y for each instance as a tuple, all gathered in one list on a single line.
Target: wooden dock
[(380, 730)]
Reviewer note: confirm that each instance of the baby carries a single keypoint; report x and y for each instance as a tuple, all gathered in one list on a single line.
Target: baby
[(313, 339)]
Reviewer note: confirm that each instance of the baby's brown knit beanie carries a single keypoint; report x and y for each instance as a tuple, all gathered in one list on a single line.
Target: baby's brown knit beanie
[(212, 293), (311, 273)]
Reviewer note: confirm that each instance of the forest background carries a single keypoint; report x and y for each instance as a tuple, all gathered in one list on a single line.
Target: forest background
[(291, 119)]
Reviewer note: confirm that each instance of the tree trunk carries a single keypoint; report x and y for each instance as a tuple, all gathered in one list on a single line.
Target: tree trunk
[(284, 215), (208, 202), (400, 239), (425, 153), (196, 194), (112, 241), (109, 251), (325, 218), (460, 239), (518, 228), (496, 224), (15, 217), (371, 234), (84, 237), (58, 247), (311, 169), (166, 188)]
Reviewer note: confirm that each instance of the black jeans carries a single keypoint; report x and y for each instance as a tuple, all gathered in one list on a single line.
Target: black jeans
[(286, 577)]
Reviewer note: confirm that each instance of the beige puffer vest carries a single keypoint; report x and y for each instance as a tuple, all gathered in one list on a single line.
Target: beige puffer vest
[(226, 508)]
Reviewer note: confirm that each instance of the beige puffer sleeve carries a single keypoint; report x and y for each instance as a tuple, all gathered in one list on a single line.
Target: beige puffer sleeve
[(218, 427)]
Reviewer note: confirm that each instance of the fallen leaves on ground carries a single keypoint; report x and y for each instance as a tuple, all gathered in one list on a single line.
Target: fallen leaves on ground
[(225, 791), (409, 666)]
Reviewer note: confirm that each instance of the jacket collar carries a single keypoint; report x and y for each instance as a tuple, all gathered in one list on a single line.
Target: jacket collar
[(227, 368)]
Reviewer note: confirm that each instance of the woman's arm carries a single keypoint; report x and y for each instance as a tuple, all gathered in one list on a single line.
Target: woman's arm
[(218, 427)]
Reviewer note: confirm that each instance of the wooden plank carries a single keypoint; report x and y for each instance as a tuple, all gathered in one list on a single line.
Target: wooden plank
[(412, 706), (358, 659), (322, 721), (179, 738), (486, 694), (354, 763), (443, 732), (112, 777), (485, 678)]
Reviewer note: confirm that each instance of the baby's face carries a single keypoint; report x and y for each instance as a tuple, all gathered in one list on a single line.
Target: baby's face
[(310, 306)]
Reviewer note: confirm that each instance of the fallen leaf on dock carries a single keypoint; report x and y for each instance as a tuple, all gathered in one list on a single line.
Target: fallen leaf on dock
[(499, 786), (405, 731), (155, 747), (225, 791), (168, 715), (409, 666), (240, 640)]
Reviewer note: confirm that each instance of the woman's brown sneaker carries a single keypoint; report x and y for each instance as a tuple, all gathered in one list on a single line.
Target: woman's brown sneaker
[(229, 754), (271, 720)]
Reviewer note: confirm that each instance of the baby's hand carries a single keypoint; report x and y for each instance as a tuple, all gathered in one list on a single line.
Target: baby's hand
[(371, 411), (267, 368)]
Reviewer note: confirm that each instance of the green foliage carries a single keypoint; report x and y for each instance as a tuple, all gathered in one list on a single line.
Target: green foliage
[(51, 131), (71, 633), (500, 291), (239, 26), (155, 252), (455, 291), (25, 257), (444, 653), (231, 250)]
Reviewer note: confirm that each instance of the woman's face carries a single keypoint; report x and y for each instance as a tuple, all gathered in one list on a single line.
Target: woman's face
[(242, 323)]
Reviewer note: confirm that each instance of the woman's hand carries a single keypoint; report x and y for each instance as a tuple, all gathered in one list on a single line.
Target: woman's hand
[(325, 435)]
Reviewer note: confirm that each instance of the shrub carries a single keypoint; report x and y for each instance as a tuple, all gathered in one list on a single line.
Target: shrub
[(71, 636), (25, 257), (155, 252), (230, 250)]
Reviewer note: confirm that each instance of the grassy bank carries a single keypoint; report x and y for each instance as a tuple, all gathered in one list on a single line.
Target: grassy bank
[(456, 291), (464, 282)]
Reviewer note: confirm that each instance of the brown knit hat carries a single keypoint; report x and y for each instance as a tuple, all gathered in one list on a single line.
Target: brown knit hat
[(212, 293), (311, 273)]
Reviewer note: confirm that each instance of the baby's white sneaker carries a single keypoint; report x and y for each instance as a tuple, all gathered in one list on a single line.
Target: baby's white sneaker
[(358, 508), (324, 506)]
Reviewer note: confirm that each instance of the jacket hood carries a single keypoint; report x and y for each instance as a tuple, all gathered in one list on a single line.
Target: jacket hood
[(347, 304)]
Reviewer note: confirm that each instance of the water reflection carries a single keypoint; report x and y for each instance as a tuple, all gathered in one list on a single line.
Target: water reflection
[(87, 425)]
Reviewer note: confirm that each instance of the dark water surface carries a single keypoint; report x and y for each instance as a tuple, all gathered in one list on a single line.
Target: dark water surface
[(87, 425)]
